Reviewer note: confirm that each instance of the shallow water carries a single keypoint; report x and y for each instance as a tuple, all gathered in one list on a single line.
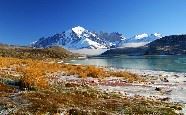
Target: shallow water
[(159, 63)]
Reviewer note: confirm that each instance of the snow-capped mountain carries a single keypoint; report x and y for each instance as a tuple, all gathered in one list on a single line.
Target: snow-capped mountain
[(139, 40), (75, 38), (81, 38)]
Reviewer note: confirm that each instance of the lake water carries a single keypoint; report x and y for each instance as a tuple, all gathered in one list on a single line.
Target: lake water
[(160, 63)]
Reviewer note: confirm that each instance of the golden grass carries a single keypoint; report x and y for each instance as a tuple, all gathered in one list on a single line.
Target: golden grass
[(130, 77), (33, 72), (85, 71)]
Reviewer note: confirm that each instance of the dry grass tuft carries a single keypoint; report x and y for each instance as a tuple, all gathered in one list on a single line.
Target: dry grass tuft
[(130, 77)]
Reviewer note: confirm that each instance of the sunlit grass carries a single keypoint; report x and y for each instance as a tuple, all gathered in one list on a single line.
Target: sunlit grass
[(33, 72)]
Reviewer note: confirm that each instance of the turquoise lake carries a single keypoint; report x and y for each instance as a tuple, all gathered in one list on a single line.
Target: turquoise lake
[(159, 63)]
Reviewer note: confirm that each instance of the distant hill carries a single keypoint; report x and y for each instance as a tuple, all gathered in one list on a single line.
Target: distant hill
[(34, 53), (126, 51), (168, 45)]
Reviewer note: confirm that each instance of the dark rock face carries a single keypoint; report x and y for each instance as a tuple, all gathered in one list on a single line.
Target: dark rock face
[(158, 89), (111, 39)]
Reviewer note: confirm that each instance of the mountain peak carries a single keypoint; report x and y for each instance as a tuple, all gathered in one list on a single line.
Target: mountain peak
[(78, 30)]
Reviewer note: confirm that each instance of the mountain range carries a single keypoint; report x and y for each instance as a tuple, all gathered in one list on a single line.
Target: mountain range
[(81, 38), (82, 41)]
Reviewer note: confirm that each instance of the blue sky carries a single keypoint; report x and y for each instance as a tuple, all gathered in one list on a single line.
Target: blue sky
[(24, 21)]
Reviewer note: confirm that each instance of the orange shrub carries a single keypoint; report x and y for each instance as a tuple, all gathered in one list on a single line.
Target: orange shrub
[(130, 77)]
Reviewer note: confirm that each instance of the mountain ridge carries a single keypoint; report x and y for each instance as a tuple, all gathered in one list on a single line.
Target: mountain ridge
[(80, 38), (168, 45)]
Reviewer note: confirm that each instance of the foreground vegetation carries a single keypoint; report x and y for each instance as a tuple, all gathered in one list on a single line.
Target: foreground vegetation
[(79, 101), (33, 73), (25, 89)]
